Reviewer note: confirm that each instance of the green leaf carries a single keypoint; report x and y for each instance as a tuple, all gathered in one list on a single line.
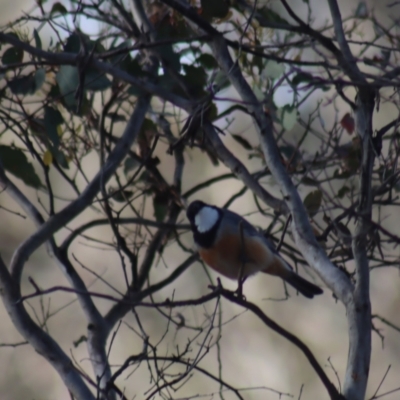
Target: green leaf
[(259, 93), (147, 125), (40, 76), (58, 8), (309, 181), (195, 77), (73, 43), (305, 77), (59, 157), (273, 70), (288, 117), (271, 16), (23, 85), (160, 204), (173, 59), (135, 91), (342, 191), (207, 61), (130, 164), (212, 112), (312, 202), (96, 81), (121, 196), (144, 176), (221, 80), (14, 161), (68, 80), (38, 41), (54, 93), (12, 55), (132, 66), (301, 77), (28, 84), (214, 9), (52, 118), (258, 62), (291, 153), (324, 88), (123, 57), (168, 83), (243, 142)]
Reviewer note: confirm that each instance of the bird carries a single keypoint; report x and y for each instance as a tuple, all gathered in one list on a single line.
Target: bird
[(234, 248)]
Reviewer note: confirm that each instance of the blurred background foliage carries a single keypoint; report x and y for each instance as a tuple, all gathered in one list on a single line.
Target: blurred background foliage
[(60, 118)]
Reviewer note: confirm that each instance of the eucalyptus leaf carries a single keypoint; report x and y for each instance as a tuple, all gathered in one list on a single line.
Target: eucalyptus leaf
[(23, 85), (160, 204), (312, 202), (207, 61), (273, 70), (58, 8), (301, 77), (52, 118), (288, 117), (96, 81), (40, 76), (271, 16), (12, 55), (15, 161), (130, 164), (38, 41), (214, 8), (68, 81)]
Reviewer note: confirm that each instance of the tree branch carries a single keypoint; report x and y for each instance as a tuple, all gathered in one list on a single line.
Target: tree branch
[(43, 343), (241, 171), (71, 59), (343, 56), (120, 309), (350, 64), (56, 222), (331, 389), (359, 312), (304, 236), (91, 311)]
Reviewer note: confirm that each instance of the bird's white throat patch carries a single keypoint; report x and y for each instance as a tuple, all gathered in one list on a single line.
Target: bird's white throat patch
[(206, 218)]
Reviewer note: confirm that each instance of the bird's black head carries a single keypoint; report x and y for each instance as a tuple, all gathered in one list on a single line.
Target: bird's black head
[(193, 210), (204, 220)]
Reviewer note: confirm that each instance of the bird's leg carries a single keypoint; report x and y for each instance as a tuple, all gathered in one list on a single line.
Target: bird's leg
[(243, 259)]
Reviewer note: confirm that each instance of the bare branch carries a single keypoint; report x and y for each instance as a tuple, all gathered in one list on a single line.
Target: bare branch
[(76, 207), (302, 230), (333, 392), (39, 340), (71, 59), (241, 171), (351, 65), (359, 313)]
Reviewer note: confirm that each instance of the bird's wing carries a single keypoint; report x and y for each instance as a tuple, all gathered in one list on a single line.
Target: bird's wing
[(248, 229)]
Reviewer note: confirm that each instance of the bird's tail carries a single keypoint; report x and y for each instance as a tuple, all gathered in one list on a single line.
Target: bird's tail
[(305, 287)]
